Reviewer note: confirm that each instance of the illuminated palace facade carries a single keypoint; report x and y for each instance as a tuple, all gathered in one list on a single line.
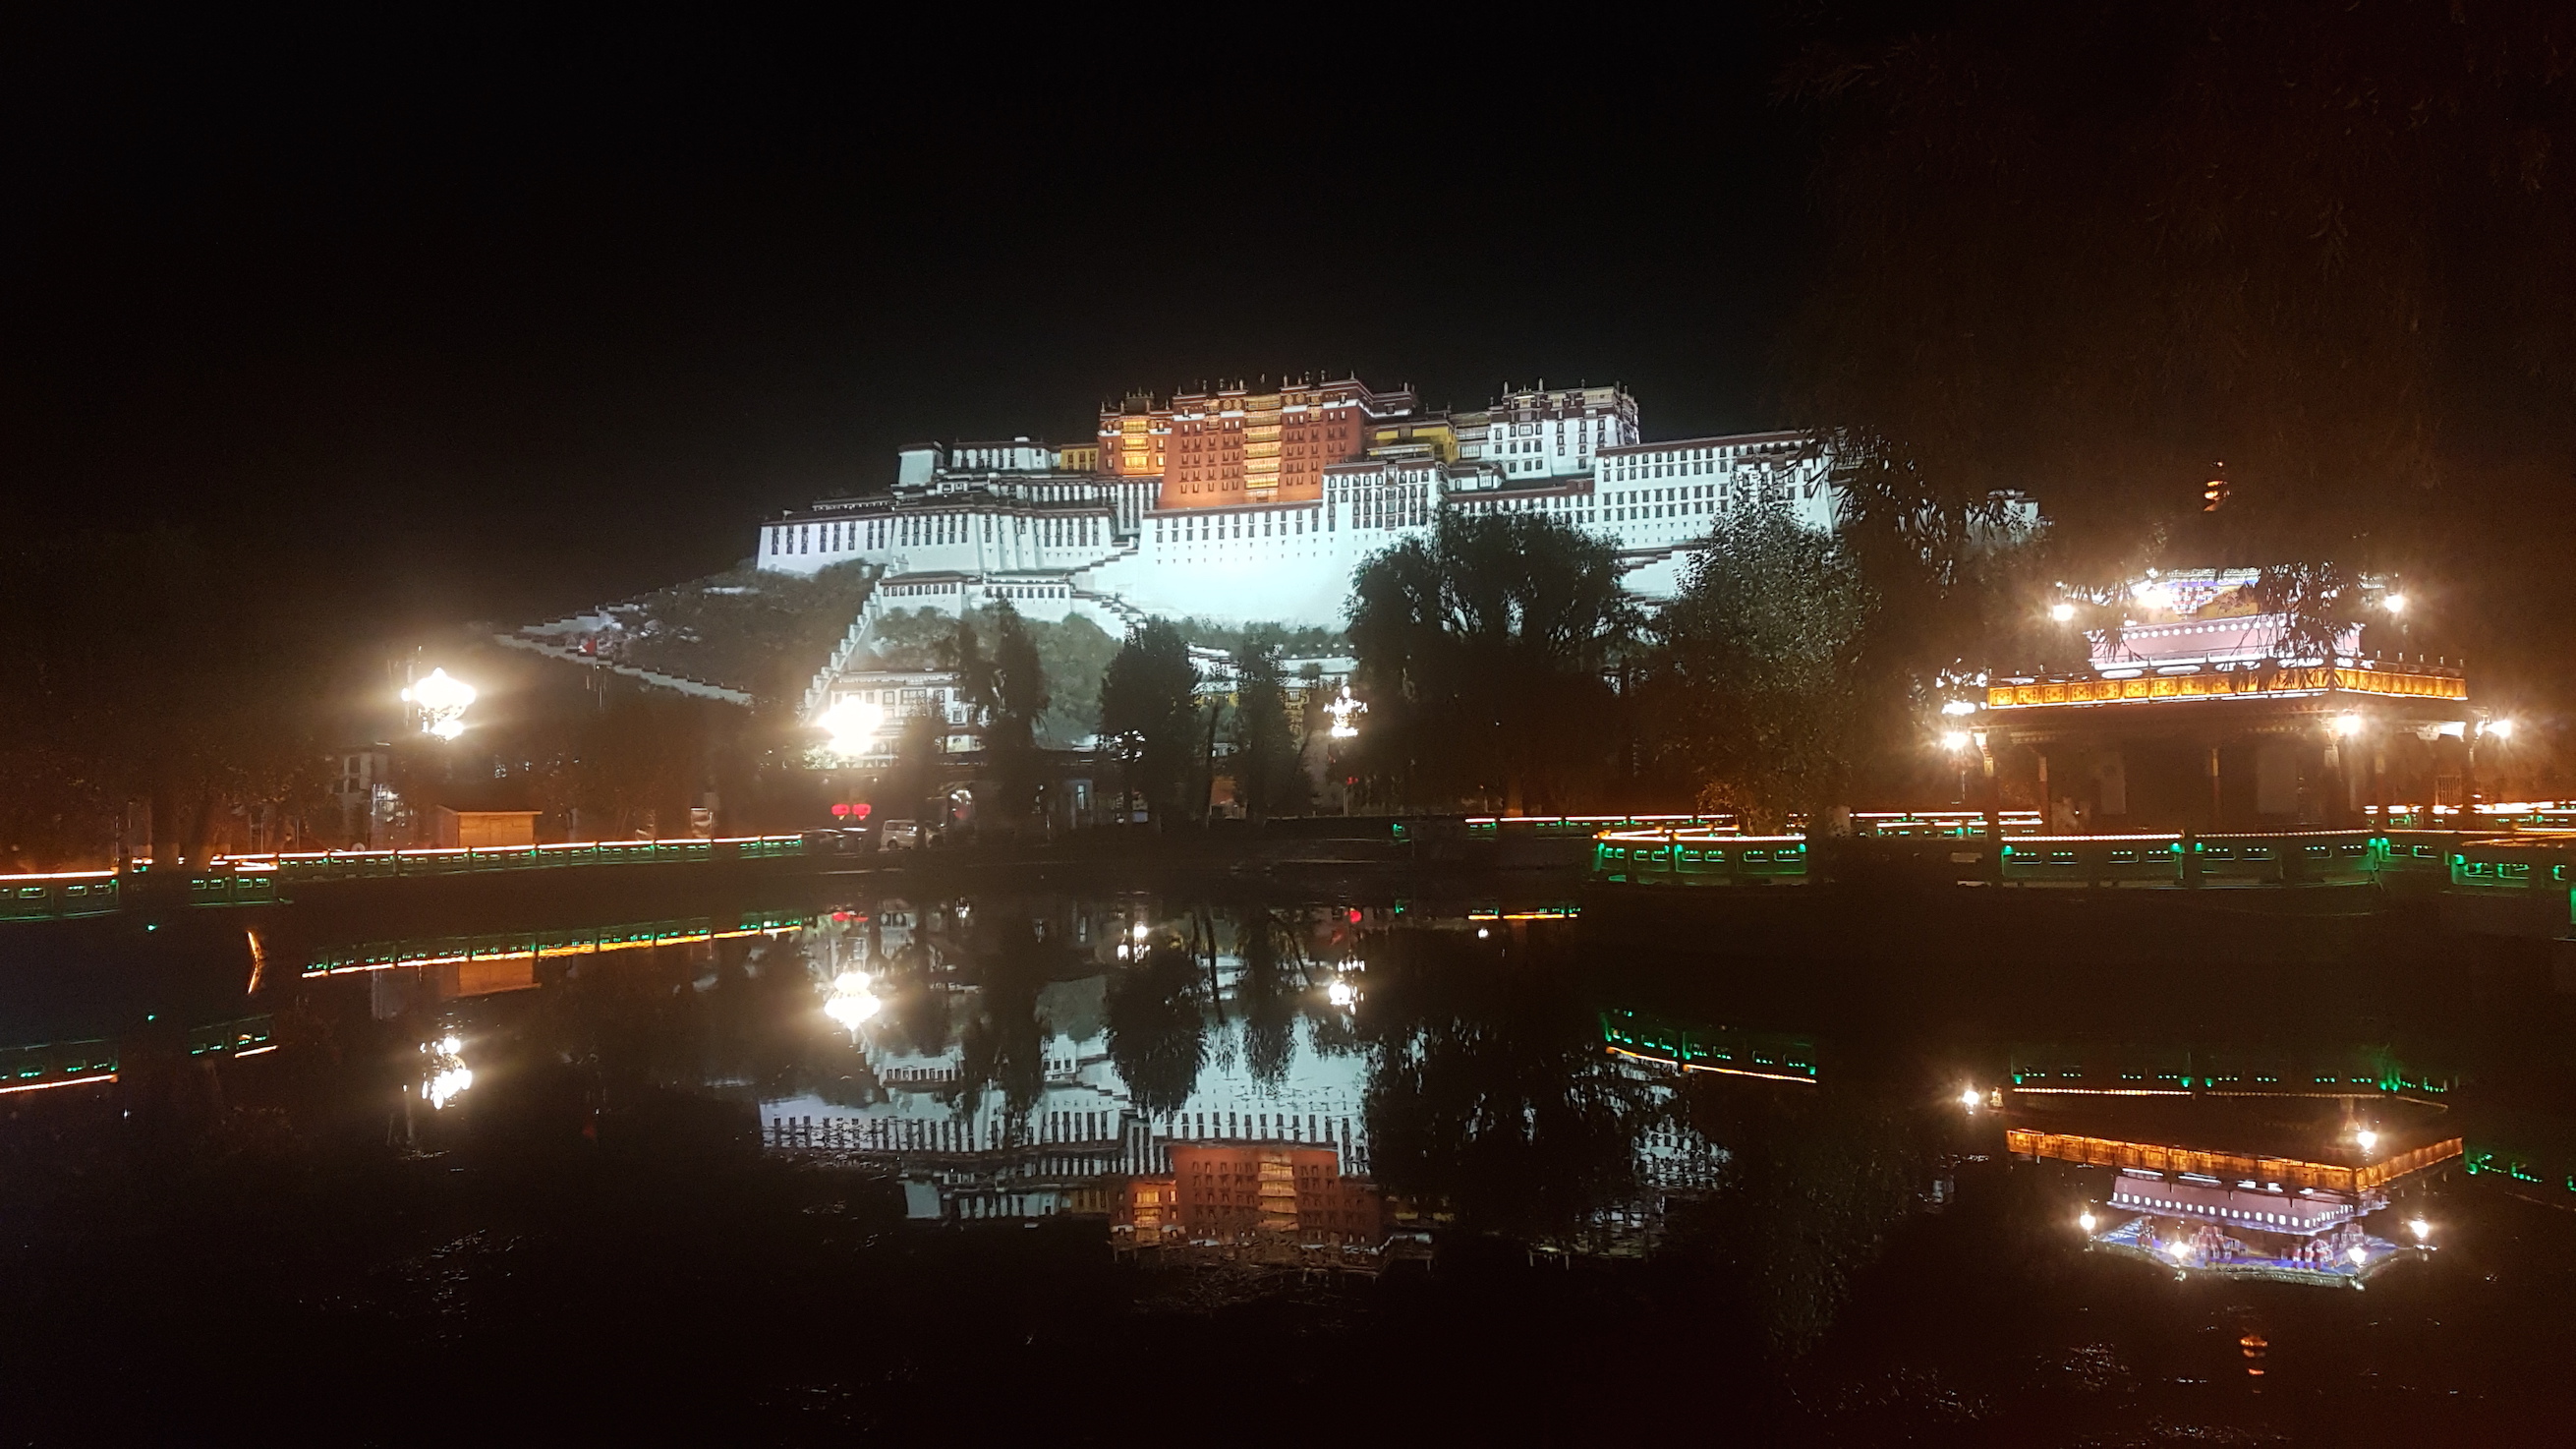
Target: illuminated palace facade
[(1243, 504)]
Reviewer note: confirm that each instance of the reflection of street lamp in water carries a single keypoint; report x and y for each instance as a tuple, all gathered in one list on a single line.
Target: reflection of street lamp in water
[(850, 1002)]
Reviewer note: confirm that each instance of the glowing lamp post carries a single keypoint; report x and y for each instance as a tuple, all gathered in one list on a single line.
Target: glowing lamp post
[(1345, 712), (853, 724), (441, 700), (2062, 612)]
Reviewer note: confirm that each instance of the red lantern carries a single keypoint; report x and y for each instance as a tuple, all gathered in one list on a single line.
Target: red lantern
[(840, 809), (860, 810)]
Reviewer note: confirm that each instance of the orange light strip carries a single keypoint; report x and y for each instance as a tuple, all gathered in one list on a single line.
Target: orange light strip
[(65, 1082), (2243, 683)]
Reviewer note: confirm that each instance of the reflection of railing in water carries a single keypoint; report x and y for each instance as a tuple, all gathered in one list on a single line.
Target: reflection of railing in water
[(527, 945), (254, 880), (2289, 1172), (1775, 1056)]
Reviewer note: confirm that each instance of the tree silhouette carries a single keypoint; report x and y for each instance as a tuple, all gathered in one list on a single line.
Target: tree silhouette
[(1481, 656), (1148, 706)]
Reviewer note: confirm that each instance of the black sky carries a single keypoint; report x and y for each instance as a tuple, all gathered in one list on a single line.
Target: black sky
[(491, 320)]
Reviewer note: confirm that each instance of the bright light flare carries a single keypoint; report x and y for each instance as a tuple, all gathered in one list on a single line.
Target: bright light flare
[(2357, 1254), (2501, 729), (850, 1002), (1954, 739), (1344, 711), (2367, 1138), (2420, 1228), (442, 700), (2394, 603), (1969, 1097), (448, 1075), (2063, 613), (2347, 725), (1342, 993), (2086, 1220), (853, 724)]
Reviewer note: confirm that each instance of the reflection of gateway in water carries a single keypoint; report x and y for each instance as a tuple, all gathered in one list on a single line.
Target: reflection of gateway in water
[(2241, 1214)]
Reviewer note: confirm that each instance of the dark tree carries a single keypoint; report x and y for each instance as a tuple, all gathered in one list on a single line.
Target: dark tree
[(1266, 770), (1148, 707), (1007, 692), (1482, 651)]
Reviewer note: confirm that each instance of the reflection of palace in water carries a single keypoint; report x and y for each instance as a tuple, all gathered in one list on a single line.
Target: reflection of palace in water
[(1083, 1144)]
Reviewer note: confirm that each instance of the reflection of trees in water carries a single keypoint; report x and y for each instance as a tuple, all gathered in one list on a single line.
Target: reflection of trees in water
[(1003, 1044), (917, 1002), (1268, 993), (1491, 1094), (1816, 1182), (1157, 1036)]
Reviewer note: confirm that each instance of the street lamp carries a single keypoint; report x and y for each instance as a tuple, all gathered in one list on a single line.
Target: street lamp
[(2062, 612), (2085, 1220), (441, 700), (2394, 603), (853, 724), (1954, 740)]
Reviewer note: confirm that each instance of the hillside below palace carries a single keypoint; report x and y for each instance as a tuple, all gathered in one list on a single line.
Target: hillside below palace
[(1238, 505)]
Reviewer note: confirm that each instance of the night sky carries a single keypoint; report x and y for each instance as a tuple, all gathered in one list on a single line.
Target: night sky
[(491, 321)]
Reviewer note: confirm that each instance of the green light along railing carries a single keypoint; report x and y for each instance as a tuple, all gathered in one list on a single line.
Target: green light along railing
[(243, 1037), (2314, 857), (2552, 1174), (2518, 863), (55, 1064), (2085, 859), (52, 897), (2126, 1069), (1674, 857), (1728, 1050)]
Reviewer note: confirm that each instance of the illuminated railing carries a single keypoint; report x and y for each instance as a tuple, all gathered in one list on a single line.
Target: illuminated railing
[(1495, 827), (64, 893), (2123, 1070), (1961, 823), (2310, 857), (1696, 857), (302, 867), (56, 1064), (2514, 863)]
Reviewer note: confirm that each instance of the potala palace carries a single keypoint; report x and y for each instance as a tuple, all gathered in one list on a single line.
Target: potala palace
[(1237, 505)]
